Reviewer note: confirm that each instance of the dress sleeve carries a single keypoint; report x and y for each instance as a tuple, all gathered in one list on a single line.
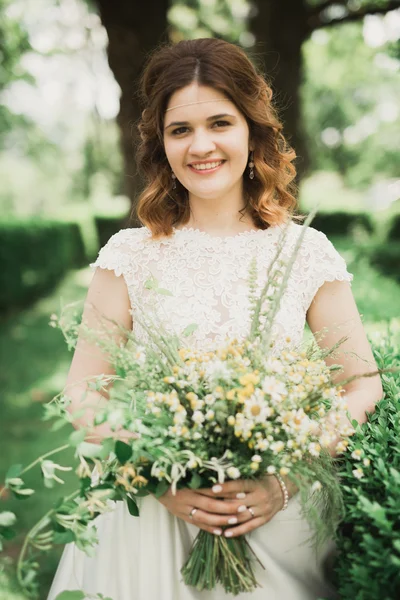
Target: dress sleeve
[(116, 255), (323, 263)]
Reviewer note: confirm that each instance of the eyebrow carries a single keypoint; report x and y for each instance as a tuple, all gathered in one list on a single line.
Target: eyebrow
[(181, 123)]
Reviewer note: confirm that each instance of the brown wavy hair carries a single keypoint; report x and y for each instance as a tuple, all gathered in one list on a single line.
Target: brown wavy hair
[(269, 197)]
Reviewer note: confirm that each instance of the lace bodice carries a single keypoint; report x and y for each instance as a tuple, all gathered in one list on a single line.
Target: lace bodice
[(204, 279)]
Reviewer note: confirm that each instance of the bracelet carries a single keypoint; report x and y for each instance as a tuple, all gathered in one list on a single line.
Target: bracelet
[(284, 490)]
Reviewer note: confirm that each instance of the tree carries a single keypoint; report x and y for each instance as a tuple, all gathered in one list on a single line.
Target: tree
[(280, 28)]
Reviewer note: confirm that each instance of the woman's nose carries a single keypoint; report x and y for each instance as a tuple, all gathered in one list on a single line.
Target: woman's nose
[(202, 143)]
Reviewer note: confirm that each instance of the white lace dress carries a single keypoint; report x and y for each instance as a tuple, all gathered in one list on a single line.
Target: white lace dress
[(140, 558)]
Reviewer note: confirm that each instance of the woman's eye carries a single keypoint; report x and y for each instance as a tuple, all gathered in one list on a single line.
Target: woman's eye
[(179, 130), (222, 123)]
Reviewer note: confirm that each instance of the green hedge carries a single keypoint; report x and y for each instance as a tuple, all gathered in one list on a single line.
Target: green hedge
[(394, 230), (34, 256), (341, 223), (368, 565), (108, 225)]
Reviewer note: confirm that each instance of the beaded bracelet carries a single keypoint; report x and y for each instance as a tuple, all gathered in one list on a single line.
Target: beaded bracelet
[(285, 492)]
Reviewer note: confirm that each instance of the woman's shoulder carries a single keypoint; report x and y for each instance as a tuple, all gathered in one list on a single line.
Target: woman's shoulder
[(120, 249)]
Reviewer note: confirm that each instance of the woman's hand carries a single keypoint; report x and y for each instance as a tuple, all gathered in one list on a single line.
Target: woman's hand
[(227, 505)]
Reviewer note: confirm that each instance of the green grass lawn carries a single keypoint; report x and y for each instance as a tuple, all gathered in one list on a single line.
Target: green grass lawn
[(35, 362)]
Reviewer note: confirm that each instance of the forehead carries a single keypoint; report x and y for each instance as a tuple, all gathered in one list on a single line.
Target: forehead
[(197, 101)]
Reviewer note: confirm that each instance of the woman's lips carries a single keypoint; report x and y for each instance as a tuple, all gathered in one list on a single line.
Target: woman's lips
[(205, 171)]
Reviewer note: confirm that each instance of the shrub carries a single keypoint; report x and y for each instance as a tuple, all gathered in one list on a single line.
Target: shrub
[(35, 255), (341, 223), (368, 564)]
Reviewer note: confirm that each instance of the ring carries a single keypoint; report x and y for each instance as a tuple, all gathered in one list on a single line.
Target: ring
[(193, 512), (251, 511)]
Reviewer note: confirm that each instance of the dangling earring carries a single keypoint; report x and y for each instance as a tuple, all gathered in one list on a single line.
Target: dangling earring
[(251, 165), (173, 180)]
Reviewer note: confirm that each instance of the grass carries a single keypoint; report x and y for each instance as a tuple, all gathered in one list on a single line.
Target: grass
[(35, 362)]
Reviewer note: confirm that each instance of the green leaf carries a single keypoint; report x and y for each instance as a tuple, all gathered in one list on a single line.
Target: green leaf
[(150, 284), (7, 533), (75, 595), (189, 329), (63, 537), (89, 450), (13, 471), (195, 482), (7, 518), (164, 292), (132, 507), (77, 437), (123, 451), (161, 488)]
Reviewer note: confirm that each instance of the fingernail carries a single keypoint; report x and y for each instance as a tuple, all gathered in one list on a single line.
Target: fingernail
[(217, 531), (242, 508), (240, 495), (228, 533), (232, 521), (217, 488)]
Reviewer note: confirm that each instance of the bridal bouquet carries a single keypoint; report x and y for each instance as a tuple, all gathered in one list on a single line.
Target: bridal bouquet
[(243, 410)]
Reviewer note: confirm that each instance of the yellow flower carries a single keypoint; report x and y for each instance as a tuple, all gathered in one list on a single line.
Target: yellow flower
[(254, 466), (231, 420), (231, 395), (249, 378)]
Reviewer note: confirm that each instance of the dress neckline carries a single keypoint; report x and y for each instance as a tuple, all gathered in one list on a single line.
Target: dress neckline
[(241, 234)]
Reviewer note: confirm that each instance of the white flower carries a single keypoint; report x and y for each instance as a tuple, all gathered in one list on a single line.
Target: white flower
[(192, 464), (210, 414), (198, 417), (271, 470), (274, 365), (233, 472), (356, 454), (277, 447), (359, 473), (256, 458), (317, 485), (197, 435), (275, 388), (366, 462)]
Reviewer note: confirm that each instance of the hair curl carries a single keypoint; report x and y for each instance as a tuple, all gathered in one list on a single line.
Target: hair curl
[(269, 197)]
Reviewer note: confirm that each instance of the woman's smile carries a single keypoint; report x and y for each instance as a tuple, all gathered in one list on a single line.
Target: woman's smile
[(203, 168)]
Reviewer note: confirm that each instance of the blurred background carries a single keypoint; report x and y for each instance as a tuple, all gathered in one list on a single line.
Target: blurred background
[(68, 113)]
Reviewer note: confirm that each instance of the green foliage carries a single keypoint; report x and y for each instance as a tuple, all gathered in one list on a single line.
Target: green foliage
[(342, 223), (209, 18), (351, 88), (368, 566), (37, 254)]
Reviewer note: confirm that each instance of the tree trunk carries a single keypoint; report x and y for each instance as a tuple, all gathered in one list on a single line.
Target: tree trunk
[(280, 28), (134, 28)]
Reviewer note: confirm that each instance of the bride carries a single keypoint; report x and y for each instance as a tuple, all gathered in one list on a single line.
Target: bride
[(218, 193)]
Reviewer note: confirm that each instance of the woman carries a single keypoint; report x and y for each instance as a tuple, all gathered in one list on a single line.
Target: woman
[(218, 192)]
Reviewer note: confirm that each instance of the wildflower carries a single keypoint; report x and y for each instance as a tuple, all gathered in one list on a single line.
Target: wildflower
[(275, 388), (356, 454), (358, 473), (210, 414), (271, 470), (231, 420), (233, 472), (366, 462), (256, 458), (198, 417), (254, 466), (317, 485)]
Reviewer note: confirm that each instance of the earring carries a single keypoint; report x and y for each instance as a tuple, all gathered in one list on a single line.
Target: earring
[(251, 165), (173, 180)]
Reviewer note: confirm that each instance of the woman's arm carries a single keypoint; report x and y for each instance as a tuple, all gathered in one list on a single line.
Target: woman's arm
[(334, 309), (107, 297)]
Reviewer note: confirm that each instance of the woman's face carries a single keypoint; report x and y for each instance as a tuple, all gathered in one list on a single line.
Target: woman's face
[(206, 142)]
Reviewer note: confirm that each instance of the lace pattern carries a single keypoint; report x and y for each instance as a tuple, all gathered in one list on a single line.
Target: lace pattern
[(203, 279)]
